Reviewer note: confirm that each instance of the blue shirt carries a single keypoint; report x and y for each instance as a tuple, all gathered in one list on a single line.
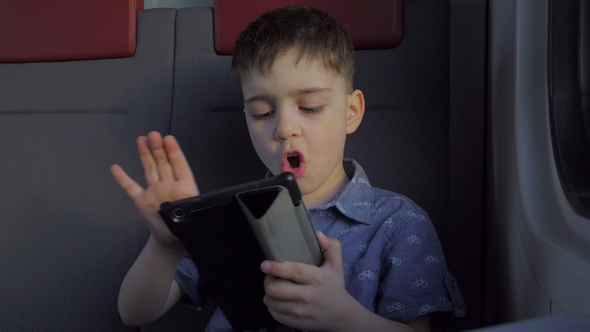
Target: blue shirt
[(392, 258)]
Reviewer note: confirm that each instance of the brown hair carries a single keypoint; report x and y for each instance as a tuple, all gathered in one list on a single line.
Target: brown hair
[(311, 33)]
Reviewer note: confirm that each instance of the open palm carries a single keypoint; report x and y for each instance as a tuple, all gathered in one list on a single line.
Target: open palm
[(168, 178)]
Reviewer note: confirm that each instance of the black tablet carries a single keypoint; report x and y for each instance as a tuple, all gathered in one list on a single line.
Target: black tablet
[(229, 232)]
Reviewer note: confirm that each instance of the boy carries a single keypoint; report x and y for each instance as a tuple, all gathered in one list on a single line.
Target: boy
[(384, 268)]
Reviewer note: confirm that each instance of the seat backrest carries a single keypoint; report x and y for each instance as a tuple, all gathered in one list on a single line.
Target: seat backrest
[(68, 233), (385, 30), (60, 30), (403, 142)]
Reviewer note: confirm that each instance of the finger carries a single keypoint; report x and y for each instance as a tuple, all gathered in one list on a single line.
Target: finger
[(285, 317), (147, 161), (284, 290), (131, 187), (332, 251), (180, 166), (297, 272), (160, 155), (279, 306), (293, 314)]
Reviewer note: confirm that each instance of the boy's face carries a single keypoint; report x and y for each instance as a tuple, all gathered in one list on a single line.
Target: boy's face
[(298, 117)]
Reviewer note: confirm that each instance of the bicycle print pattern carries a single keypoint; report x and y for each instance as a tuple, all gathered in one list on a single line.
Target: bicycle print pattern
[(460, 312), (360, 180), (395, 261), (419, 217), (426, 309), (413, 239), (389, 222), (367, 274), (351, 229), (396, 307), (327, 213), (363, 247), (431, 258), (419, 283)]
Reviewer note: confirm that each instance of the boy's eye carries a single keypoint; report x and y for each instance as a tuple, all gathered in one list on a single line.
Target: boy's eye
[(311, 109), (262, 116)]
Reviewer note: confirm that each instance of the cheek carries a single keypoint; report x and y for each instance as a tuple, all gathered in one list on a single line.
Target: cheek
[(261, 143), (256, 132), (330, 136)]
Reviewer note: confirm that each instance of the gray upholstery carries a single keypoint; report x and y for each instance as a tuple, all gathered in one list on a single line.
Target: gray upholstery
[(207, 118), (208, 121), (403, 142), (69, 234)]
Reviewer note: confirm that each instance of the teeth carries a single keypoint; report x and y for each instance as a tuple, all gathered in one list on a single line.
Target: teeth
[(294, 159)]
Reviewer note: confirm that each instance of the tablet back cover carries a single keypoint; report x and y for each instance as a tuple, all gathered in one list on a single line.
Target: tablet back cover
[(281, 227), (228, 257), (230, 232)]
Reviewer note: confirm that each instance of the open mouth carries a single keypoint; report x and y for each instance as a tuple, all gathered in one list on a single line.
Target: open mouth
[(293, 162)]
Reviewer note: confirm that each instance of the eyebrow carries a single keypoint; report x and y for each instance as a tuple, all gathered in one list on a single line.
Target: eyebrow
[(265, 98), (312, 90), (268, 99)]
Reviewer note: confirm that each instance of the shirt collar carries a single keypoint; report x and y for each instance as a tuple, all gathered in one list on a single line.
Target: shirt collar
[(355, 200)]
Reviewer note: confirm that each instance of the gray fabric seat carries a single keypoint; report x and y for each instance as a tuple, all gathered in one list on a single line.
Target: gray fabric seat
[(68, 233), (402, 142)]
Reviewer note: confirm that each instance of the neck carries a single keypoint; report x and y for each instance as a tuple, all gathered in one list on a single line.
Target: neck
[(323, 196)]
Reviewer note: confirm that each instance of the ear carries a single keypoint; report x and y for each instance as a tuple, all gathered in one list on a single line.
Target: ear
[(356, 110)]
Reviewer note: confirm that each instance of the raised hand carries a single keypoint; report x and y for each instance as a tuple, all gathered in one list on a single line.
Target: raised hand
[(168, 178)]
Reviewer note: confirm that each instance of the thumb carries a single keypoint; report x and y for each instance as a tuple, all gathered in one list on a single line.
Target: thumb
[(332, 251)]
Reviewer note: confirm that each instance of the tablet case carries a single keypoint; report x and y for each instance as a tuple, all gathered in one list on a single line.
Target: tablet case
[(228, 233)]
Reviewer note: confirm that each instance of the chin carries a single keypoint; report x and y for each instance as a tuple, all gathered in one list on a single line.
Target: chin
[(304, 187)]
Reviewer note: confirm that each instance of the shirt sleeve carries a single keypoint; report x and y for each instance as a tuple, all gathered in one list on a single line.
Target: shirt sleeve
[(416, 280), (187, 278)]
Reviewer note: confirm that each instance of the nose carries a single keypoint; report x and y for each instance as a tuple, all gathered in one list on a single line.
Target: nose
[(286, 124)]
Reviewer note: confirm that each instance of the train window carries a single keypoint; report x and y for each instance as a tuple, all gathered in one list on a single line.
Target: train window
[(569, 89), (177, 3)]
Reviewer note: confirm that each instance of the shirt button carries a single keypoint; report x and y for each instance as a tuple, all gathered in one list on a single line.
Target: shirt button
[(451, 282)]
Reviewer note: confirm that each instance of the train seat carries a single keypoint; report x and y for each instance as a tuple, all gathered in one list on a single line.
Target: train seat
[(70, 109), (72, 104)]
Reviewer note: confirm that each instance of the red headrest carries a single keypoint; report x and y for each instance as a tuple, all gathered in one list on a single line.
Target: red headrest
[(58, 30), (373, 24)]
